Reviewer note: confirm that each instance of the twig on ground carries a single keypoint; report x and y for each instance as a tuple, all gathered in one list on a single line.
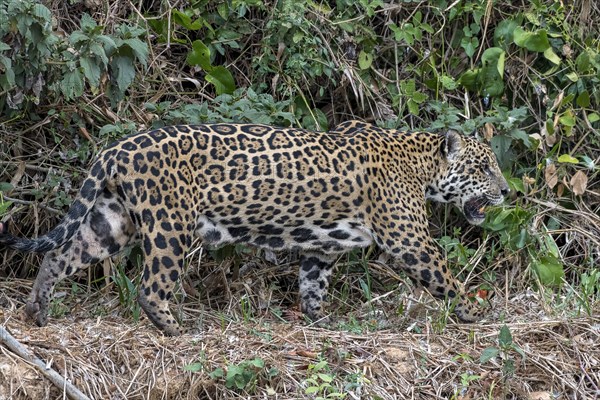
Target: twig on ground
[(13, 345)]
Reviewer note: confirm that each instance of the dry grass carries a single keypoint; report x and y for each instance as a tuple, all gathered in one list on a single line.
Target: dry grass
[(418, 357)]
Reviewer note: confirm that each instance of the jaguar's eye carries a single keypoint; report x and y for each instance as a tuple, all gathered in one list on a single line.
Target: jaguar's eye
[(486, 169)]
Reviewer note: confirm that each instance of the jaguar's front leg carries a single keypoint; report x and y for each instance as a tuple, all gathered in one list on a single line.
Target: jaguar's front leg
[(405, 237), (426, 265)]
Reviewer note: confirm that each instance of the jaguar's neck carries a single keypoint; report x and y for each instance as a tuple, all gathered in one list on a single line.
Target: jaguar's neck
[(417, 155)]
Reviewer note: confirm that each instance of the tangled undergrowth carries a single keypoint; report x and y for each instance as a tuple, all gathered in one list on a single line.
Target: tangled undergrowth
[(524, 76)]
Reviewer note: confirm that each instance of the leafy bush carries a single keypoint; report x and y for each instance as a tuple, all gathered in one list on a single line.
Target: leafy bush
[(34, 55)]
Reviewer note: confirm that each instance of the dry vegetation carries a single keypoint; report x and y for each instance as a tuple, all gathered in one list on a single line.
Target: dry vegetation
[(108, 356), (387, 340)]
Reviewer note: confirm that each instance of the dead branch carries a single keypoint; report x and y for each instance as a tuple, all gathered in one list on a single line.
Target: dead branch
[(13, 345)]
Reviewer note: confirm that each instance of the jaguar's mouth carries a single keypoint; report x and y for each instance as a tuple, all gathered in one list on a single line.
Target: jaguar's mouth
[(474, 209)]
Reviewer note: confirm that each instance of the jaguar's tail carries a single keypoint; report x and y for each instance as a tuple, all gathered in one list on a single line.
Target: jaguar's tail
[(92, 187)]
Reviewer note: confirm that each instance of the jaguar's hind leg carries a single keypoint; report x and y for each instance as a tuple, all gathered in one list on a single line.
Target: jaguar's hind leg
[(315, 274), (104, 232), (164, 255)]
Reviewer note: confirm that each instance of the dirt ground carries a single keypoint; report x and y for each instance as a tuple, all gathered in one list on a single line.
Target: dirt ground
[(415, 357)]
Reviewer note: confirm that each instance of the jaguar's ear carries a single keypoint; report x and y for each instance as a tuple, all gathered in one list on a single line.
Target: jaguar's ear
[(453, 143)]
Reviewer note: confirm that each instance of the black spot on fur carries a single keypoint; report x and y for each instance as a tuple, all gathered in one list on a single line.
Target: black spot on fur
[(212, 236), (409, 259), (339, 234)]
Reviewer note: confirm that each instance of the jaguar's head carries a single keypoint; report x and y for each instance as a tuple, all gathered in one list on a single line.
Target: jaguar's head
[(469, 177)]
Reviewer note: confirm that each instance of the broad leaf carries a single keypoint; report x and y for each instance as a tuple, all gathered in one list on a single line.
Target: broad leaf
[(139, 48), (365, 60), (504, 33), (568, 159), (551, 55), (488, 354), (91, 70), (186, 21), (494, 56), (222, 79), (532, 41), (72, 84), (505, 337), (125, 71), (549, 270), (200, 55)]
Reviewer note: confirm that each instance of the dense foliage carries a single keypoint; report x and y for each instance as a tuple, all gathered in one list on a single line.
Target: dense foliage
[(523, 75)]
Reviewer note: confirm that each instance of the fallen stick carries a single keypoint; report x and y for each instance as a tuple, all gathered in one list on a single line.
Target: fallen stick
[(9, 341)]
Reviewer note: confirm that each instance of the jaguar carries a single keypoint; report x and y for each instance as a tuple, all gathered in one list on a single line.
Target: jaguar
[(320, 194)]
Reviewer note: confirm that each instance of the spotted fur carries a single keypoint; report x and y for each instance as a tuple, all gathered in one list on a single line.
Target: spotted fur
[(322, 194)]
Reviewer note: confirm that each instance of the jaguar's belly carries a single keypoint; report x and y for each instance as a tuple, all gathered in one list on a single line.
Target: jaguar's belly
[(335, 237)]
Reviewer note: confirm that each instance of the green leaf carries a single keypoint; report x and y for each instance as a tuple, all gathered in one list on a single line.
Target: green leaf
[(258, 363), (593, 117), (217, 373), (41, 11), (223, 10), (419, 97), (521, 135), (87, 23), (567, 119), (97, 50), (469, 79), (488, 354), (200, 55), (413, 107), (4, 206), (491, 82), (408, 87), (325, 378), (4, 46), (311, 390), (583, 62), (6, 187), (78, 36), (108, 128), (501, 145), (108, 43), (505, 337), (448, 82), (470, 44), (583, 100), (517, 185), (194, 367), (125, 71), (91, 70), (519, 351), (551, 55), (186, 21), (504, 33), (549, 270), (494, 56), (222, 79), (365, 60), (72, 84), (567, 159), (508, 368), (532, 41), (140, 49), (551, 245), (8, 79), (572, 76), (587, 161)]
